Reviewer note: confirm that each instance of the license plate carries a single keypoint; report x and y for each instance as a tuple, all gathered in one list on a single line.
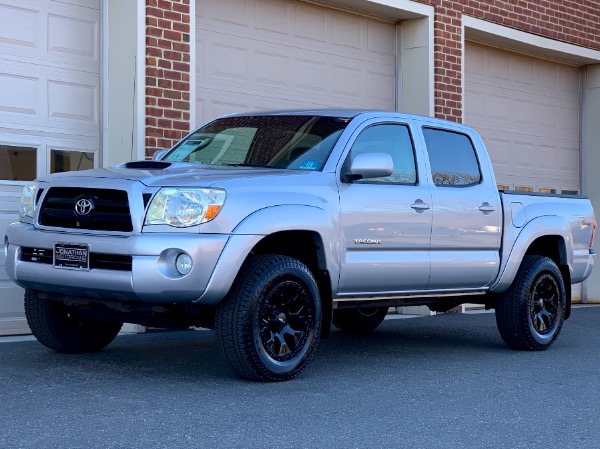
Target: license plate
[(72, 256)]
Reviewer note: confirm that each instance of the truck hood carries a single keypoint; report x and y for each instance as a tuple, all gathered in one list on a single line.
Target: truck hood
[(177, 174)]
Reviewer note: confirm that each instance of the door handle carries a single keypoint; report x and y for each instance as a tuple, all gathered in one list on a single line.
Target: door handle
[(419, 206), (486, 208)]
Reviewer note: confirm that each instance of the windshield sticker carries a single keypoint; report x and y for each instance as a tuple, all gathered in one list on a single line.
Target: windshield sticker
[(310, 165), (184, 149)]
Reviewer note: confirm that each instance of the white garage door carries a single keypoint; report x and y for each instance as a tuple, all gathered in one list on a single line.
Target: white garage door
[(528, 112), (278, 54), (49, 107)]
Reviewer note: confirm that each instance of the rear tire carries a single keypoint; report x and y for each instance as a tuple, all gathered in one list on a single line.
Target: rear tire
[(269, 326), (359, 320), (531, 313), (63, 329)]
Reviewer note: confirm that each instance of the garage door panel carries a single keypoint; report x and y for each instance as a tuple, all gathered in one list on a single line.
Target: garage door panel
[(47, 100), (73, 37), (20, 94), (51, 33), (570, 80), (309, 23), (377, 40), (18, 27), (548, 115), (49, 105), (346, 31), (12, 320), (72, 103), (570, 119), (271, 69), (380, 88), (546, 160), (272, 15), (381, 39), (281, 54), (227, 11), (314, 57)]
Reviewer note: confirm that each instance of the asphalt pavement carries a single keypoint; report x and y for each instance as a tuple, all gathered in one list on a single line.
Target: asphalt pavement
[(446, 381)]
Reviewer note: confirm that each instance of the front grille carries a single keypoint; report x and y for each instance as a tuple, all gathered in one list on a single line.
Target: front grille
[(110, 210), (101, 261)]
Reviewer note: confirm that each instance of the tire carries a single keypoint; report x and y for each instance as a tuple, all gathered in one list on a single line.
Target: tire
[(64, 329), (269, 325), (359, 320), (531, 313)]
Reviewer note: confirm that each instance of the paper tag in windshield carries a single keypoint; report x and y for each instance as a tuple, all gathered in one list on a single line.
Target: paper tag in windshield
[(309, 165), (185, 149)]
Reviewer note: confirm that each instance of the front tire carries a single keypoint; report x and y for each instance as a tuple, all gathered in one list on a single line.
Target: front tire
[(531, 313), (359, 320), (268, 328), (63, 329)]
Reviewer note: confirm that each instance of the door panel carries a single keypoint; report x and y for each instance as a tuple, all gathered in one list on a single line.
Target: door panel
[(386, 222), (466, 227), (383, 214)]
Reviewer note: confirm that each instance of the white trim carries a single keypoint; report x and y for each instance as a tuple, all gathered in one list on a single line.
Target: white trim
[(193, 123), (140, 82), (528, 43), (407, 5), (583, 177), (463, 73), (431, 73), (104, 85), (398, 50)]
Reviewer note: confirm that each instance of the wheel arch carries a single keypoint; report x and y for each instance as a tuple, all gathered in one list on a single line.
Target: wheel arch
[(309, 248), (303, 232), (548, 236)]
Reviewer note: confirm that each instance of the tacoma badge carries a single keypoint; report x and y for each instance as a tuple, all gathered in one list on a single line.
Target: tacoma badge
[(367, 241)]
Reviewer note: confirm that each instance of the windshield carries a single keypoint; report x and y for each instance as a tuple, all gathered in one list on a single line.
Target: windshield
[(277, 141)]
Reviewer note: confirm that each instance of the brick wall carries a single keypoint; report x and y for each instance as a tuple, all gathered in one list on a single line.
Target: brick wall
[(168, 68), (167, 73)]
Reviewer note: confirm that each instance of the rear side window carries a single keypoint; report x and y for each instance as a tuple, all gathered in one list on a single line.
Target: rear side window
[(452, 158)]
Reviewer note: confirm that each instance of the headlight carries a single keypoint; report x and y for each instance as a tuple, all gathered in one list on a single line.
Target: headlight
[(182, 207), (28, 199)]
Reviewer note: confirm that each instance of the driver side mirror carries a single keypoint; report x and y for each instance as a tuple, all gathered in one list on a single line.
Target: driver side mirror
[(369, 165), (159, 155)]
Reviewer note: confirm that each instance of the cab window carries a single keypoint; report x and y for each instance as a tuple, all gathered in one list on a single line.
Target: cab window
[(452, 158), (394, 140)]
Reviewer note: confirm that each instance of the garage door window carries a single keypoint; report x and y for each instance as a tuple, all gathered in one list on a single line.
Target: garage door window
[(452, 158), (65, 160), (17, 163)]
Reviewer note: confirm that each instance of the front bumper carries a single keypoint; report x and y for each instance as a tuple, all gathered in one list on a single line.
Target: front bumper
[(151, 277)]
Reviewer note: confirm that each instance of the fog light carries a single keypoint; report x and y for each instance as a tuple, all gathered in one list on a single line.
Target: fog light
[(183, 264)]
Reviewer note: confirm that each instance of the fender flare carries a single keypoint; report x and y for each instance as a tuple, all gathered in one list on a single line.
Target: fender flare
[(546, 226), (260, 224)]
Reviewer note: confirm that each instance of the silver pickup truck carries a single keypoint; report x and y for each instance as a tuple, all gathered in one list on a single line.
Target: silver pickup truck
[(271, 227)]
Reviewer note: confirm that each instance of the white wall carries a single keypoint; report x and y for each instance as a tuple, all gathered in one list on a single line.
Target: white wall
[(416, 71), (591, 163), (120, 84)]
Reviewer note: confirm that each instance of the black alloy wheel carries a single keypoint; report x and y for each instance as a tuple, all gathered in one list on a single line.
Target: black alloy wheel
[(287, 317), (269, 325), (531, 313), (545, 307)]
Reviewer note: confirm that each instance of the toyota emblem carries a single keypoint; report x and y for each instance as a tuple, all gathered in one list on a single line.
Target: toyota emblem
[(84, 207)]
